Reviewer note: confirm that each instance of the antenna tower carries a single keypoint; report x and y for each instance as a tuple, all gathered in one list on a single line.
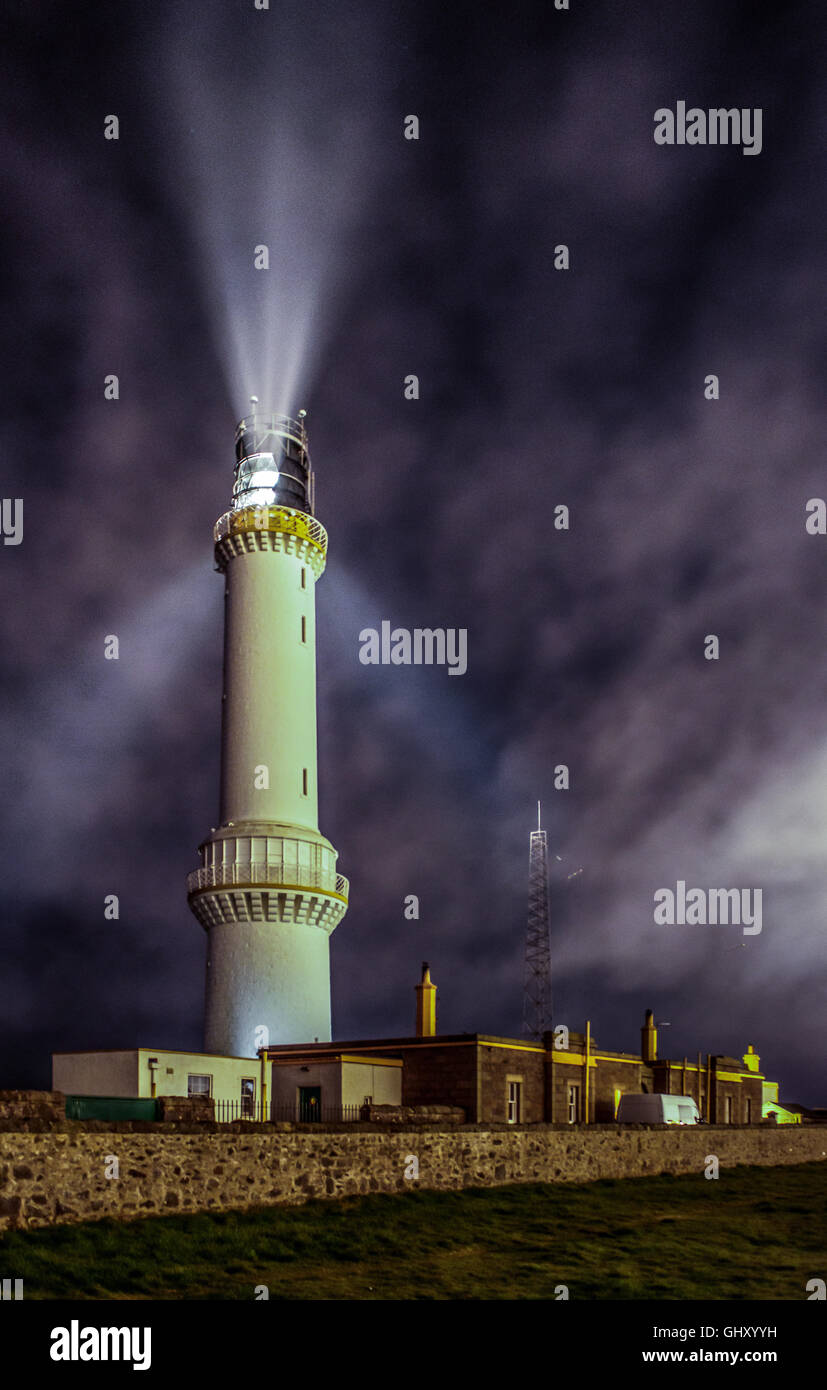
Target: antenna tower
[(537, 972)]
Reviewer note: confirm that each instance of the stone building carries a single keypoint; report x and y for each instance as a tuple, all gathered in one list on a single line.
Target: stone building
[(566, 1078)]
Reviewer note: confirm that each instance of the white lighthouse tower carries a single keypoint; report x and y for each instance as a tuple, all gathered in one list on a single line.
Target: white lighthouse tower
[(267, 892)]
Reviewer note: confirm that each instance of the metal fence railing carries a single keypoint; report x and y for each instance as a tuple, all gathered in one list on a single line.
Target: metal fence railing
[(297, 1113)]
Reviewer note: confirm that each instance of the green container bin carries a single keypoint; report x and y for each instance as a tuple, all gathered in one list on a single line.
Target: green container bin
[(110, 1108)]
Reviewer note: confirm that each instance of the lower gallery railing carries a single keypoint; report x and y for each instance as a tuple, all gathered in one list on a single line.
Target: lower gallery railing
[(275, 875)]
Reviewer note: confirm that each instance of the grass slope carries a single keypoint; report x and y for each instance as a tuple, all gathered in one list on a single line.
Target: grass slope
[(754, 1233)]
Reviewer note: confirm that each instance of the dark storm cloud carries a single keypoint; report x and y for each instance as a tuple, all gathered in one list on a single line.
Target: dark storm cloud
[(539, 387)]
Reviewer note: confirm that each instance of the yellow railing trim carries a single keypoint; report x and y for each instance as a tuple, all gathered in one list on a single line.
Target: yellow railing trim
[(277, 519)]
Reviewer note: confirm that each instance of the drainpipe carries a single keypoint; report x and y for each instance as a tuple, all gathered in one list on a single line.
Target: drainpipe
[(548, 1078), (263, 1086)]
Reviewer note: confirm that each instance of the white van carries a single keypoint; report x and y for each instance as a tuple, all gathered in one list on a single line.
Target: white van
[(635, 1109)]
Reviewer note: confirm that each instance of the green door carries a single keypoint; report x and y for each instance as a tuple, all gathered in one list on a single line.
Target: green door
[(310, 1102)]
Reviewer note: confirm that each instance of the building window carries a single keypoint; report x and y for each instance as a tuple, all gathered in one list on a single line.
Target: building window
[(304, 629), (514, 1103), (574, 1103), (729, 1110), (304, 781), (304, 577), (248, 1097), (749, 1111), (199, 1085)]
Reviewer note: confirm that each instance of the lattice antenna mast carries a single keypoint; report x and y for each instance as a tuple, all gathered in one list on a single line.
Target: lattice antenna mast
[(537, 972)]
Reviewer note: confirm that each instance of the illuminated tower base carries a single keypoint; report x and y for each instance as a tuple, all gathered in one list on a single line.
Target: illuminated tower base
[(267, 892)]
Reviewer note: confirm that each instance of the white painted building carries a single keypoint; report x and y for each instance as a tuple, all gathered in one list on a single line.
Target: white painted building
[(144, 1072), (333, 1085)]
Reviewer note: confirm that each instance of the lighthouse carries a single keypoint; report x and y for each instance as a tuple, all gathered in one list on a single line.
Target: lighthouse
[(268, 893)]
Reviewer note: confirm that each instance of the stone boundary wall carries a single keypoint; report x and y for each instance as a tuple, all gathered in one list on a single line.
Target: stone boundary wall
[(18, 1107), (414, 1114), (197, 1109), (58, 1173)]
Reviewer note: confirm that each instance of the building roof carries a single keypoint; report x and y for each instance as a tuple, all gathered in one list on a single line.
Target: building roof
[(576, 1042), (371, 1044)]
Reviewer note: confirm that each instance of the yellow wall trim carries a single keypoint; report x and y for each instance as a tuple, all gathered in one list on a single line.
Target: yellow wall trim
[(375, 1061), (631, 1061), (725, 1075)]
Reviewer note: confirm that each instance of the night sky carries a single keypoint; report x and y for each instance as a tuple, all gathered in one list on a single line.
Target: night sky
[(539, 387)]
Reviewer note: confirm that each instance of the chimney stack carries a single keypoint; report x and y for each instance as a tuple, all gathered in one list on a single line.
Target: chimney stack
[(649, 1039), (425, 1004)]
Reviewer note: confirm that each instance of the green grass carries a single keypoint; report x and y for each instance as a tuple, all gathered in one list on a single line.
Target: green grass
[(755, 1233)]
